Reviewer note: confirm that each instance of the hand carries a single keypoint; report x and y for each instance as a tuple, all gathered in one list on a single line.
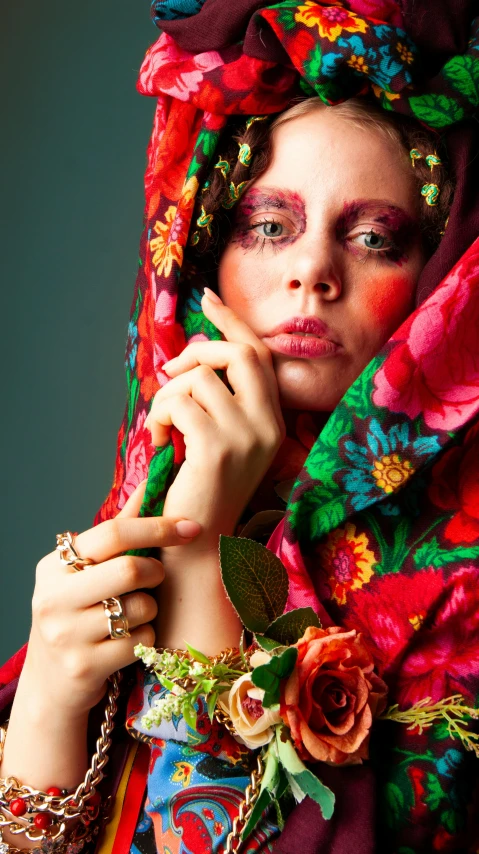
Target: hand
[(231, 438), (70, 653)]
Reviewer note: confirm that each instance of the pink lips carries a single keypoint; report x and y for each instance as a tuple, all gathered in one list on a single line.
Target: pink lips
[(283, 339)]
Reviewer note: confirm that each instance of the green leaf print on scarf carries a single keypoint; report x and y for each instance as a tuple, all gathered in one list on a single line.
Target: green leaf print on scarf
[(437, 111), (463, 73), (431, 554)]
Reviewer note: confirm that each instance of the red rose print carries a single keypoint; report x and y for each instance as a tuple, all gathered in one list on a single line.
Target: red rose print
[(433, 369), (455, 486)]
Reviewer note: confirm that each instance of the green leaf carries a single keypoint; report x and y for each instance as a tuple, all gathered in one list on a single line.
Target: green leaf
[(312, 65), (290, 627), (394, 801), (463, 72), (189, 714), (303, 778), (450, 821), (266, 643), (167, 683), (211, 705), (437, 111), (431, 554), (435, 793), (255, 580), (261, 804), (198, 656), (268, 676)]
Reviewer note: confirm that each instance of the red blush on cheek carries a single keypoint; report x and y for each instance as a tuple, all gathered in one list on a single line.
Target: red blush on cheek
[(390, 301)]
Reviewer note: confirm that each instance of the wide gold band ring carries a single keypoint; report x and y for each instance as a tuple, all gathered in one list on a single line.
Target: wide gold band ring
[(69, 555), (117, 621)]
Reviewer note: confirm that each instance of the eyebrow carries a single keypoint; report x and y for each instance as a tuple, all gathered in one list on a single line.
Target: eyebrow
[(384, 212), (271, 197)]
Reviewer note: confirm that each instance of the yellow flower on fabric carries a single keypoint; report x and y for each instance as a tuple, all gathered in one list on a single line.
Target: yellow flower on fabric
[(183, 773), (330, 20), (404, 53), (358, 63), (417, 620), (391, 96), (391, 472), (172, 233), (347, 561)]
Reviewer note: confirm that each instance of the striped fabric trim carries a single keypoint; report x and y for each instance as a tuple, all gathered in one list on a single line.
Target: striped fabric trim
[(118, 834)]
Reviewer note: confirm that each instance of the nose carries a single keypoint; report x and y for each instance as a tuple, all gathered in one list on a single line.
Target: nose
[(313, 268)]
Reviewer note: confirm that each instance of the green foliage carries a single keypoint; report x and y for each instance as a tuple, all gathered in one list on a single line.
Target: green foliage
[(255, 580), (437, 111), (394, 802), (431, 554), (312, 66), (268, 676), (290, 627), (302, 778), (434, 792), (463, 73), (358, 396), (266, 643)]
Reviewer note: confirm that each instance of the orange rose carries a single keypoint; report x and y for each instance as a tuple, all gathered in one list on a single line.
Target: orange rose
[(332, 696)]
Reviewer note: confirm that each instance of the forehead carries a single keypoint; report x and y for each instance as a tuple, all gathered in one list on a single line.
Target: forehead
[(324, 157)]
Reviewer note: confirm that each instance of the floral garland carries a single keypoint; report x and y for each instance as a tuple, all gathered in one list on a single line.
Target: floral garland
[(299, 692)]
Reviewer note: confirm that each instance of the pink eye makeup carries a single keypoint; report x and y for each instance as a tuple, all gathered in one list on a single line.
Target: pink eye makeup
[(387, 231), (271, 217)]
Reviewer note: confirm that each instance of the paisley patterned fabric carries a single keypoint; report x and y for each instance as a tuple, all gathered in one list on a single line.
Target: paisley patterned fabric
[(196, 782)]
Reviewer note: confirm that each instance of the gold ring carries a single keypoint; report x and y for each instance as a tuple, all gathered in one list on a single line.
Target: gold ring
[(117, 621), (68, 554)]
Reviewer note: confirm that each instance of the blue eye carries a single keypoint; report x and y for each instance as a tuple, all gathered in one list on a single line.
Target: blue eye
[(271, 229), (376, 241)]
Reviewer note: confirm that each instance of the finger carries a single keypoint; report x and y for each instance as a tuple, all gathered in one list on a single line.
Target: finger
[(119, 535), (132, 506), (116, 654), (124, 574), (138, 608), (186, 415), (205, 387), (246, 375)]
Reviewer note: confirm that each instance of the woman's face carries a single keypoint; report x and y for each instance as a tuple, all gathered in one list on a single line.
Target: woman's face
[(327, 235)]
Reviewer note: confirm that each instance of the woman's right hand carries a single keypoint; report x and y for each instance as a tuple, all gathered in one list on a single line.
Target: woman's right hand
[(70, 652)]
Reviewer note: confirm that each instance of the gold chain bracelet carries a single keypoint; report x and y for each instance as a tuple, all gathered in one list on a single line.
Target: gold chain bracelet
[(63, 808)]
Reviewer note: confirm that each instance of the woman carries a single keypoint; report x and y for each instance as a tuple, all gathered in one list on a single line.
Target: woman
[(317, 232)]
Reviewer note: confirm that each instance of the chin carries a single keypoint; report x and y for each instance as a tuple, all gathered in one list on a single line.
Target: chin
[(302, 386)]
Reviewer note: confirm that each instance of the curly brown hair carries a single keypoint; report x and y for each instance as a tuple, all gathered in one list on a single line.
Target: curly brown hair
[(232, 174)]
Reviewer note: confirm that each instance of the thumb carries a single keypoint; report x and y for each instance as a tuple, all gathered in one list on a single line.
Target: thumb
[(131, 508)]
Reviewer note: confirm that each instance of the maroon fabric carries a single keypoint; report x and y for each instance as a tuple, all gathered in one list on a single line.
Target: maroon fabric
[(351, 829)]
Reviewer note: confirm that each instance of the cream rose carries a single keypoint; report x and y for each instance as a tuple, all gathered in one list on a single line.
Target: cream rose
[(243, 704)]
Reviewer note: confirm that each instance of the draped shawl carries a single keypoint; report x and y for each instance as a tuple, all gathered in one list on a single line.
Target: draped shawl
[(381, 527)]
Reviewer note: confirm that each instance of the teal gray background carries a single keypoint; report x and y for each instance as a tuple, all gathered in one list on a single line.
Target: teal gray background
[(73, 152)]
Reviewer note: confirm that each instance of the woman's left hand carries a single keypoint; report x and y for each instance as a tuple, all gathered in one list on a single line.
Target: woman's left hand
[(231, 438)]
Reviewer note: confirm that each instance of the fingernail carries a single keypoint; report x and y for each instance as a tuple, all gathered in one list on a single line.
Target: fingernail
[(187, 529), (212, 296)]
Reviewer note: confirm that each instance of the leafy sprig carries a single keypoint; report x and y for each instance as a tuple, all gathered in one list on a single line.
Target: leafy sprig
[(186, 679)]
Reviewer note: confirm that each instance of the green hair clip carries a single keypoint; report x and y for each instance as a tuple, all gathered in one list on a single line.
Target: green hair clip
[(255, 119), (205, 220), (433, 160), (430, 193), (235, 194), (244, 155), (224, 167), (414, 154)]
